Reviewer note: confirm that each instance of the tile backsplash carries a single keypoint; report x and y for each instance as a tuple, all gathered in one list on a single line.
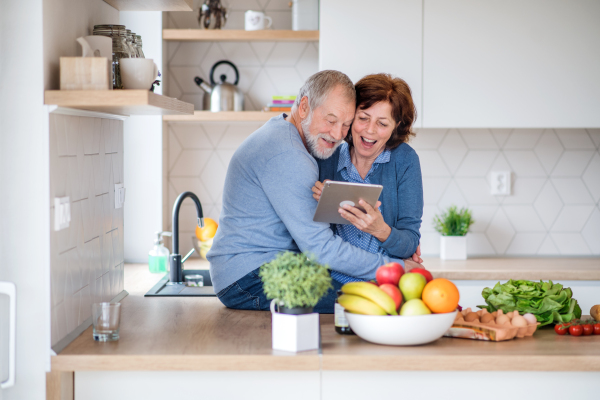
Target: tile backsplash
[(554, 209), (86, 160)]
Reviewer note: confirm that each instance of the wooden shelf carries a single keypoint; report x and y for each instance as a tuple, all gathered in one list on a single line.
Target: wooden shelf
[(225, 116), (224, 35), (120, 102), (152, 5)]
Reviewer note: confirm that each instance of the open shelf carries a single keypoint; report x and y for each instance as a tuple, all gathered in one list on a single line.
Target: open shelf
[(120, 102), (225, 116), (224, 35), (152, 5)]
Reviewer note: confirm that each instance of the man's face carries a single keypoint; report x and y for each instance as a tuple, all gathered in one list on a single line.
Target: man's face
[(326, 126)]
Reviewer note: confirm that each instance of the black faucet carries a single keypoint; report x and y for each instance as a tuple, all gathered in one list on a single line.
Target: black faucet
[(176, 273)]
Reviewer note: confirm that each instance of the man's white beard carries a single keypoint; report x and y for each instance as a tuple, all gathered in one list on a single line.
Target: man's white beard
[(312, 141)]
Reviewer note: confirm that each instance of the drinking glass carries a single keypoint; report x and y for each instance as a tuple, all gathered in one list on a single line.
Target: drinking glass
[(106, 318)]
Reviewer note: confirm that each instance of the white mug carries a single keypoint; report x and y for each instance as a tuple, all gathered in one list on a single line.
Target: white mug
[(255, 21), (138, 73)]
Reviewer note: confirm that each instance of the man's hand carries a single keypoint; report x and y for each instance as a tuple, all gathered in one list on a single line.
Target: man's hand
[(370, 222), (318, 189), (417, 256)]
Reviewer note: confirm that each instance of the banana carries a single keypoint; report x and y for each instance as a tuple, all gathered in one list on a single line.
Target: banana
[(360, 305), (373, 293)]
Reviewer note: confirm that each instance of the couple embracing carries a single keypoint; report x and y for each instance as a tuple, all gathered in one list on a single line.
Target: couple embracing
[(337, 131)]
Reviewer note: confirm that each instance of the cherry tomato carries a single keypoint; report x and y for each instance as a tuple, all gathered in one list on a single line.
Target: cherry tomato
[(597, 329), (561, 329), (576, 330), (588, 329)]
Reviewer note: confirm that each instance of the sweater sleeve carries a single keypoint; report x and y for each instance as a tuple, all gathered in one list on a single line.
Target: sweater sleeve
[(288, 188), (405, 235)]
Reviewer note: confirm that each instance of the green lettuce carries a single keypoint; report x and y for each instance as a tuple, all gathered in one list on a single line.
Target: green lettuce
[(548, 301)]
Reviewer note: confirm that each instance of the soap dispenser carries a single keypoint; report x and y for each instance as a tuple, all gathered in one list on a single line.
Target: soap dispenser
[(158, 258)]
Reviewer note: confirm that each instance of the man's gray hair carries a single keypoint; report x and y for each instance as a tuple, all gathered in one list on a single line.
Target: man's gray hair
[(319, 85)]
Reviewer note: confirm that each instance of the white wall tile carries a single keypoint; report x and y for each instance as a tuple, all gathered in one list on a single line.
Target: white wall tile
[(548, 150), (548, 248), (286, 80), (570, 244), (572, 218), (74, 139), (522, 139), (575, 139), (214, 132), (213, 176), (427, 139), (524, 163), (478, 244), (190, 163), (453, 150), (524, 218), (286, 54), (262, 90), (524, 190), (239, 53), (262, 50), (591, 232), (432, 164), (591, 177), (572, 163), (433, 188), (525, 243), (429, 213), (308, 63), (477, 163), (452, 197), (184, 76), (572, 191), (192, 184), (548, 204), (501, 136), (482, 217), (235, 135), (191, 136), (500, 232), (430, 243), (478, 139), (595, 135), (189, 54), (476, 191)]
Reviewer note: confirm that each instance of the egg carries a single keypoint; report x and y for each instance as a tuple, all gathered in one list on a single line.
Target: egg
[(487, 318), (502, 319), (518, 321), (472, 317), (531, 319), (495, 314), (459, 317)]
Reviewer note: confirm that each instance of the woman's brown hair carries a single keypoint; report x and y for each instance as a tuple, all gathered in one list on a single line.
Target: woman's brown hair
[(383, 87)]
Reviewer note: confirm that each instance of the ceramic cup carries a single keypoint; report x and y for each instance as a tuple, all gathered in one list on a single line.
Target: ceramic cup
[(138, 73), (255, 21)]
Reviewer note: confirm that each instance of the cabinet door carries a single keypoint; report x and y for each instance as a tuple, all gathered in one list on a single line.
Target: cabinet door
[(511, 63), (360, 38)]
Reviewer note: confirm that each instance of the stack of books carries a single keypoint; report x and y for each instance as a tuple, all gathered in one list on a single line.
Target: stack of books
[(281, 103)]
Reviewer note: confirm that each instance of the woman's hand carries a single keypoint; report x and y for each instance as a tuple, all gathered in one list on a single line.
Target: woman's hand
[(318, 189), (417, 256), (370, 222)]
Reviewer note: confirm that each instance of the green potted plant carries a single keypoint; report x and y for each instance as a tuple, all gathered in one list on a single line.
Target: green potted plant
[(295, 283), (453, 225)]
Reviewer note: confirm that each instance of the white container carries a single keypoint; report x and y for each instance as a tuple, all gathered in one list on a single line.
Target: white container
[(453, 247), (138, 73), (255, 21), (305, 15), (294, 332)]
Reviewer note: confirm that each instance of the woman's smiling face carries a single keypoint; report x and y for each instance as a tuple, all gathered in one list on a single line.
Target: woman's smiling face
[(372, 128)]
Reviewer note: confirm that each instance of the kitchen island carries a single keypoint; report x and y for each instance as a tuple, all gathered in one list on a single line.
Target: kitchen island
[(197, 346)]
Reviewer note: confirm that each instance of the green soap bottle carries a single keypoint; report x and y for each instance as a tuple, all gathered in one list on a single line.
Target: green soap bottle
[(158, 258)]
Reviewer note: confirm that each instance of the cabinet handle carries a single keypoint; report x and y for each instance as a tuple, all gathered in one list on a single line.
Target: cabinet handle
[(9, 288)]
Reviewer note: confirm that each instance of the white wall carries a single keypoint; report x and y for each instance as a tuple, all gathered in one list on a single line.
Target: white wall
[(25, 233), (143, 151)]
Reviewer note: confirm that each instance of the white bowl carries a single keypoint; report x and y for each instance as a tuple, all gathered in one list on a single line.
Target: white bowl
[(400, 330)]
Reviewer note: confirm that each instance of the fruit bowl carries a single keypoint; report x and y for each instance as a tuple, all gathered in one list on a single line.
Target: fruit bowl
[(400, 330)]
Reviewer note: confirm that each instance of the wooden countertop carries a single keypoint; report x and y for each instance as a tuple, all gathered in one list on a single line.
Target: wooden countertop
[(180, 333)]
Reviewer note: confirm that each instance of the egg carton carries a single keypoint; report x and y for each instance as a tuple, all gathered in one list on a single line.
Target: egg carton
[(489, 331)]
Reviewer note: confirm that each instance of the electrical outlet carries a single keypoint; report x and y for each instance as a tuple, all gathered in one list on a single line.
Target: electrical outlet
[(62, 213), (119, 195), (501, 183)]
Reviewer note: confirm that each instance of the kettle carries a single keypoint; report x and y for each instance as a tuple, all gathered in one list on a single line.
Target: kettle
[(223, 96)]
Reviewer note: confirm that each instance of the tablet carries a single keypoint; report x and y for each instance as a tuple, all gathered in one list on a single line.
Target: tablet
[(335, 194)]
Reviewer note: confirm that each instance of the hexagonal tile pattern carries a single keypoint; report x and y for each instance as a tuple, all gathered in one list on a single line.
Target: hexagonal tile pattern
[(500, 232), (548, 204), (548, 150)]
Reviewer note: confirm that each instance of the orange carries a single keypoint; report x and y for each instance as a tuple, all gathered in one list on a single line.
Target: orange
[(209, 230), (441, 296)]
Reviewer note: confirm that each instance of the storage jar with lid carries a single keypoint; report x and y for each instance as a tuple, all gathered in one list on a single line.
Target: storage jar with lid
[(120, 48)]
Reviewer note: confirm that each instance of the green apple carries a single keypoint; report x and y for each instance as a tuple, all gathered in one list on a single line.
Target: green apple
[(411, 285), (414, 307)]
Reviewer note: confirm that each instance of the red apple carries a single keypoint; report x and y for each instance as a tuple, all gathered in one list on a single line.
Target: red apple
[(394, 293), (423, 272), (389, 273)]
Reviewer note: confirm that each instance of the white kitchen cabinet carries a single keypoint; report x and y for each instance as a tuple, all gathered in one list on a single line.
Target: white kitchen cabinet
[(511, 63), (360, 38)]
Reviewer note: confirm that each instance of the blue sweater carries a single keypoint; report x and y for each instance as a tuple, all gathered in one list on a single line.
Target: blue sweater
[(268, 208), (401, 198)]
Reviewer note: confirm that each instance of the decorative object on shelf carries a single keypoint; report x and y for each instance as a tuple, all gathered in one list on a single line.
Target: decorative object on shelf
[(92, 71), (139, 43), (296, 283), (212, 15), (453, 225), (281, 103), (255, 21), (305, 15), (224, 96), (120, 48), (138, 73), (155, 83)]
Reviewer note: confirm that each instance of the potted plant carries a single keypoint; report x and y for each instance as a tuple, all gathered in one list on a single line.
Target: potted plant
[(453, 226), (295, 283)]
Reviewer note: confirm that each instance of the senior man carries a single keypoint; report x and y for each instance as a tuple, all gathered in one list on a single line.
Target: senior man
[(267, 200)]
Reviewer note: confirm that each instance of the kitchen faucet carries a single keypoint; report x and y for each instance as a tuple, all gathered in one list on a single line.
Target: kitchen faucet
[(176, 273)]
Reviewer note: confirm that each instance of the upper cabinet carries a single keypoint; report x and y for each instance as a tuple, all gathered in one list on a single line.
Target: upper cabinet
[(361, 38), (510, 63)]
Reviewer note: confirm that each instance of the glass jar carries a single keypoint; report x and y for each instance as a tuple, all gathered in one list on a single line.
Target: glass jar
[(120, 49), (340, 321), (138, 42), (131, 43)]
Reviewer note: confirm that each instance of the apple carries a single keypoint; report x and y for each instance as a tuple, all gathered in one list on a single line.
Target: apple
[(423, 272), (389, 273), (414, 307), (394, 293), (411, 285)]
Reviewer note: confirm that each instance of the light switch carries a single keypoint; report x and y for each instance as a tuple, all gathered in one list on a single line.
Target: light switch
[(501, 183), (62, 213), (119, 195)]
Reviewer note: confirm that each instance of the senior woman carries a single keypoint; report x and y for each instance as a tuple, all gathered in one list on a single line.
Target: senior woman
[(376, 152)]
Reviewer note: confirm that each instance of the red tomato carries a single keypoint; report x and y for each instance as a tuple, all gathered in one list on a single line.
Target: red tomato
[(588, 329), (561, 329), (597, 329), (576, 330)]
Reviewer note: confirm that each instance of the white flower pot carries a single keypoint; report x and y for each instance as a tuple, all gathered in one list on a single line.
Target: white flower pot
[(453, 248), (294, 332)]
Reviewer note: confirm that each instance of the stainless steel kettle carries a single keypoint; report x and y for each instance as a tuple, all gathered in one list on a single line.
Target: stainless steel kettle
[(223, 96)]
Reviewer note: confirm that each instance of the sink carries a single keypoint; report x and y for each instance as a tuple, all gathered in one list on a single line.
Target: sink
[(161, 289)]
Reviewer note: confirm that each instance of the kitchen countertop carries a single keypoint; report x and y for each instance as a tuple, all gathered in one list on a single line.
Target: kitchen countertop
[(179, 333)]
